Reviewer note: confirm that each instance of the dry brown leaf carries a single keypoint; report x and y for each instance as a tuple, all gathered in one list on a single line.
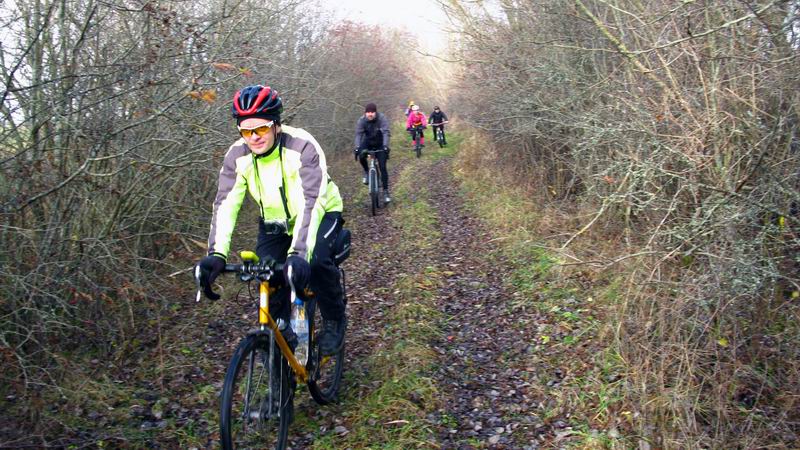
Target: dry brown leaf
[(209, 95), (223, 66)]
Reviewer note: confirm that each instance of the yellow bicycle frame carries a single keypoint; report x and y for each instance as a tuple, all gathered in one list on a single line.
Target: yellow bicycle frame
[(266, 320)]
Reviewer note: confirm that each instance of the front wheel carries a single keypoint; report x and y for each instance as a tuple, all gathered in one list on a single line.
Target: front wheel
[(418, 148), (257, 401), (374, 192)]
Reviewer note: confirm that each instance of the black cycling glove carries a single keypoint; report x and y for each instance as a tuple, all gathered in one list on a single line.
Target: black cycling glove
[(210, 268), (301, 272)]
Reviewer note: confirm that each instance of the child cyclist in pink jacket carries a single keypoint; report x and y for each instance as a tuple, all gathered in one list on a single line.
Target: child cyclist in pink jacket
[(417, 119)]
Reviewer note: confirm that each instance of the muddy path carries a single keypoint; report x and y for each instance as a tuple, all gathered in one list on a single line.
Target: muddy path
[(484, 374), (488, 390)]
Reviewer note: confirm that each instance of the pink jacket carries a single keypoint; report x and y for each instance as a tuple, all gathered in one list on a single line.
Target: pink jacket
[(420, 118)]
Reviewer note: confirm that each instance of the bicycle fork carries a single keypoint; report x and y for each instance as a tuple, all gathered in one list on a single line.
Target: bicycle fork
[(373, 176)]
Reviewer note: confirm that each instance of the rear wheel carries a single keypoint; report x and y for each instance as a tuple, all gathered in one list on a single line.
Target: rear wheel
[(257, 401), (325, 372)]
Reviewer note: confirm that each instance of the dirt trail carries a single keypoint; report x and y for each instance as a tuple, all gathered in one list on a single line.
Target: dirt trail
[(483, 371)]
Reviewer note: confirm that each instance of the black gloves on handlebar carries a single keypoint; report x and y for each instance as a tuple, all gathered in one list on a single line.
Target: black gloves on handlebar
[(301, 272), (210, 268)]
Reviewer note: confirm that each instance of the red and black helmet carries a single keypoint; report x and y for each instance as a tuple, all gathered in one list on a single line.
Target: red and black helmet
[(257, 101)]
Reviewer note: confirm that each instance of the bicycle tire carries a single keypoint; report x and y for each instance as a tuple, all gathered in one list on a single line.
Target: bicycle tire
[(418, 148), (379, 183), (325, 372), (374, 191), (440, 137), (268, 426)]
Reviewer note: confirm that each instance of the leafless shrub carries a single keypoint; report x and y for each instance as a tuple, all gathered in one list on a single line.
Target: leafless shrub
[(676, 127), (114, 118)]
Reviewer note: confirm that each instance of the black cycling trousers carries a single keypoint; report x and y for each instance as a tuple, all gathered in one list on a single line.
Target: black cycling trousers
[(382, 158), (325, 275)]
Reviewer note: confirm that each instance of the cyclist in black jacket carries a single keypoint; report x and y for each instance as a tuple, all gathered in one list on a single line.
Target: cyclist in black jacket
[(438, 117), (372, 133)]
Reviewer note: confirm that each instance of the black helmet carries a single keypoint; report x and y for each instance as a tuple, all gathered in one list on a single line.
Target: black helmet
[(257, 101)]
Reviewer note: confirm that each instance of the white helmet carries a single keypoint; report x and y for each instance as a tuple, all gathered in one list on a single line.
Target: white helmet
[(415, 108)]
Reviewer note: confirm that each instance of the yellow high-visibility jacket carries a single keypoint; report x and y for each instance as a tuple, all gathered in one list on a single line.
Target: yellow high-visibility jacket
[(299, 165)]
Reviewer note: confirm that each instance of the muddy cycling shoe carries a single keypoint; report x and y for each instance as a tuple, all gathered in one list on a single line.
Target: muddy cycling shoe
[(332, 337), (364, 180), (386, 197)]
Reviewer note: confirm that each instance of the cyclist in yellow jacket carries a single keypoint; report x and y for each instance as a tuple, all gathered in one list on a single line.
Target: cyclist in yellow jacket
[(284, 170)]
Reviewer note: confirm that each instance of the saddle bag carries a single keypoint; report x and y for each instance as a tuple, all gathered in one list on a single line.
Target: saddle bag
[(341, 247)]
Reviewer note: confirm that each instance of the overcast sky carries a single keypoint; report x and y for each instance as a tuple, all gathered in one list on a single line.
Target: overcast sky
[(422, 18)]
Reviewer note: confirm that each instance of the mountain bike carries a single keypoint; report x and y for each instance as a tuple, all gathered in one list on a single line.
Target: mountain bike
[(416, 136), (257, 401), (439, 127), (374, 180)]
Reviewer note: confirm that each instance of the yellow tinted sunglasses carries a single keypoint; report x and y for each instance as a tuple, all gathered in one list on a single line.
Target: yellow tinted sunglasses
[(260, 130)]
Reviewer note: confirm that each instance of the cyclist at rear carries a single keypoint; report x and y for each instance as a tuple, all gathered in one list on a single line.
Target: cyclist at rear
[(437, 119), (372, 133), (284, 170), (417, 121), (410, 106)]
